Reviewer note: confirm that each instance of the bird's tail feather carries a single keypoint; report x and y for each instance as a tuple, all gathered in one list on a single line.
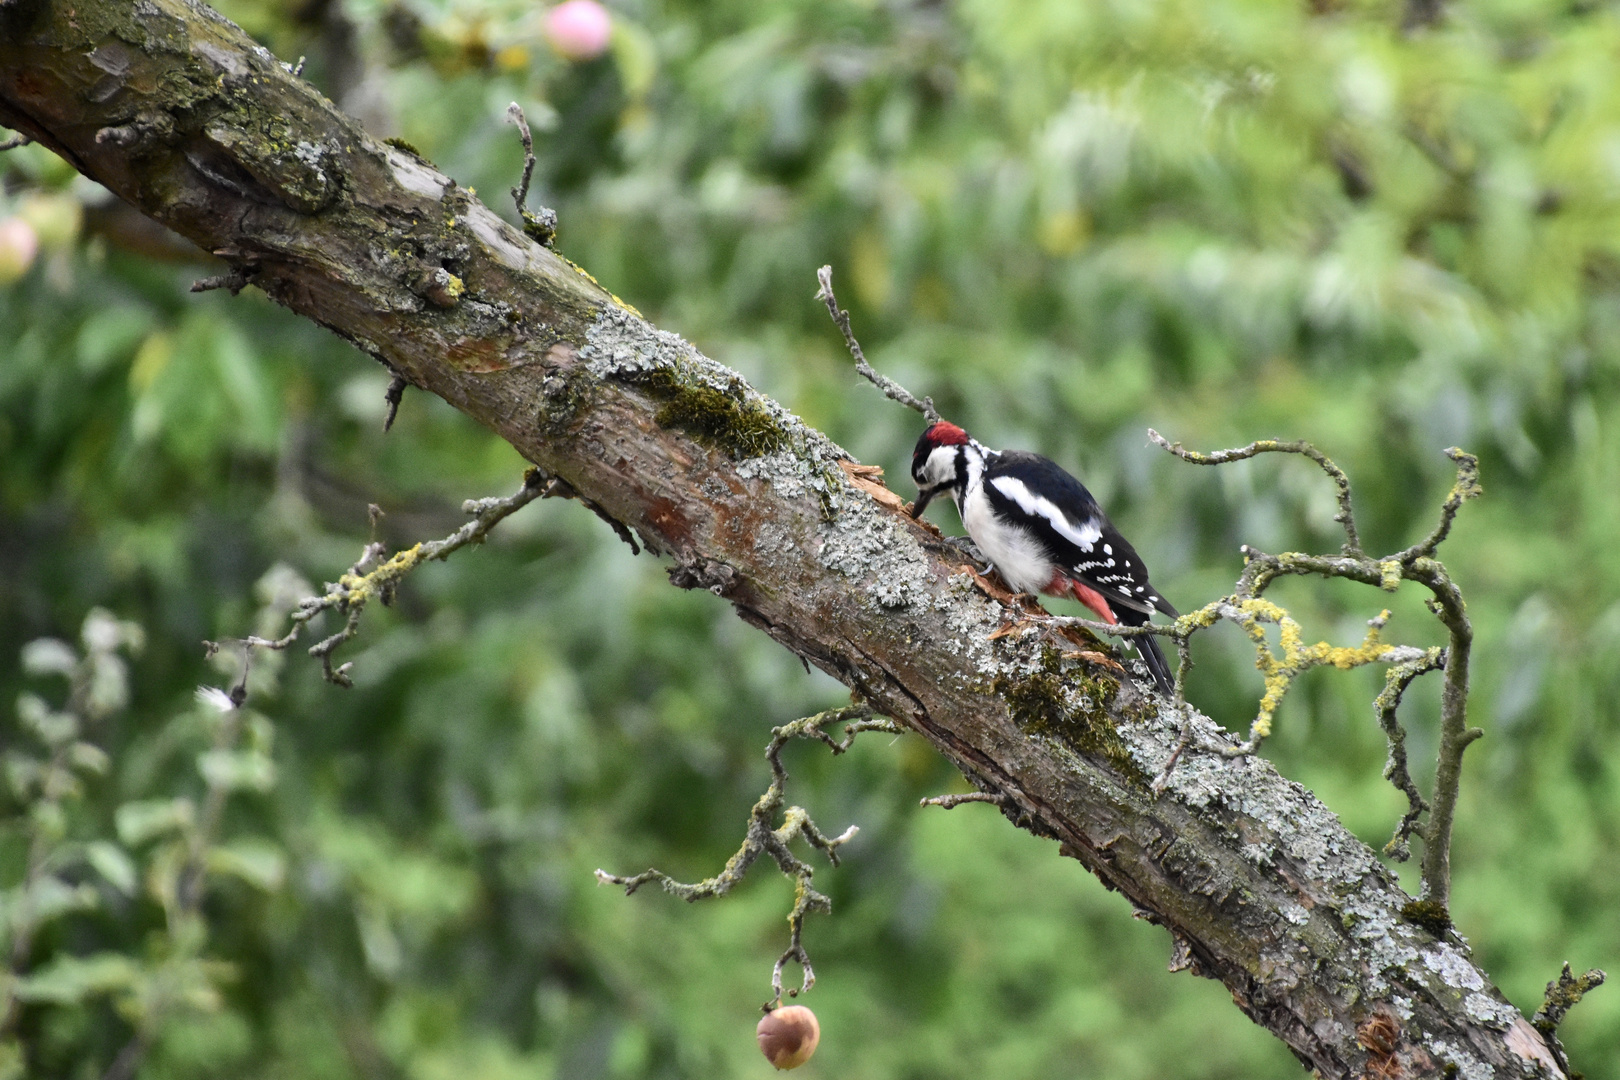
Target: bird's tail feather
[(1148, 646)]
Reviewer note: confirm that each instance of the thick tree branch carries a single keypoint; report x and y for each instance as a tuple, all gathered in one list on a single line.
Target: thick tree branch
[(176, 111)]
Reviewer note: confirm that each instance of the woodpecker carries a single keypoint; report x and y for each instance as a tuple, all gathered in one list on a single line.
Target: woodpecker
[(1042, 529)]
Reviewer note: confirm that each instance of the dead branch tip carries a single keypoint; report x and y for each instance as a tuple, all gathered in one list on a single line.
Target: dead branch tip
[(891, 389), (540, 227)]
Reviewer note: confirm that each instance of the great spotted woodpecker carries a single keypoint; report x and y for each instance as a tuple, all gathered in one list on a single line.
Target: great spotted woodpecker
[(1042, 529)]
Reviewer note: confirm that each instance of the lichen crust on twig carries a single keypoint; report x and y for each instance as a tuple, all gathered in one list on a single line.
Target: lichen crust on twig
[(349, 595)]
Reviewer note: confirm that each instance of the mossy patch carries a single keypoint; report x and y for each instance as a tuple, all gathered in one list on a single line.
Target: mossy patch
[(724, 418), (1039, 703), (400, 144), (1428, 914)]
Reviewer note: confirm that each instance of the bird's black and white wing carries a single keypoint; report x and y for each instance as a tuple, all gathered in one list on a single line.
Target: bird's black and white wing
[(1056, 509)]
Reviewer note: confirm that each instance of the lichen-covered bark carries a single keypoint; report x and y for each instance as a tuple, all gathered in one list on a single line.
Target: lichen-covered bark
[(178, 112)]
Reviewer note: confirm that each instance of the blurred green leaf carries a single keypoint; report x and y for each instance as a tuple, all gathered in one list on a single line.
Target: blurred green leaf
[(112, 863), (70, 979), (259, 864), (48, 656), (237, 770), (144, 820)]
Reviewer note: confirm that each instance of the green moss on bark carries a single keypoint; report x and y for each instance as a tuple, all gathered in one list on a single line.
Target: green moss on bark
[(1428, 914), (727, 419), (1041, 703)]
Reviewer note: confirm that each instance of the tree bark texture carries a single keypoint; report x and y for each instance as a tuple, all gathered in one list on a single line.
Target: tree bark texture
[(178, 112)]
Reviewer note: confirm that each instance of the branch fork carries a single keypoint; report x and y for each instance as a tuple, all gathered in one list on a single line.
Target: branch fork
[(349, 595), (762, 838)]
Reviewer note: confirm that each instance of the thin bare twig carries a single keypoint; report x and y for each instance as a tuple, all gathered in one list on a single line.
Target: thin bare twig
[(14, 142), (951, 802), (233, 280), (891, 389), (762, 839), (1344, 517), (541, 227), (1386, 705), (1466, 487)]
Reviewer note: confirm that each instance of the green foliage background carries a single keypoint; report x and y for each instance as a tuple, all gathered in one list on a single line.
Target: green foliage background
[(1066, 221)]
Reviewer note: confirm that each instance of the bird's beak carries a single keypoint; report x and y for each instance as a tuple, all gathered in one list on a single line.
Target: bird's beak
[(924, 497)]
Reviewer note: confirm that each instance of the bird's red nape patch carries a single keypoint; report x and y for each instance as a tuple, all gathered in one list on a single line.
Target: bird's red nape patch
[(1062, 585), (945, 433)]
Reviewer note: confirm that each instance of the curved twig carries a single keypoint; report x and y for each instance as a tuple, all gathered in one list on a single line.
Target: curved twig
[(1344, 517), (1466, 487), (1396, 680), (893, 390)]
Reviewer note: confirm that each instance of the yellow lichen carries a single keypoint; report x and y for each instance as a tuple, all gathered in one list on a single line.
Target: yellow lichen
[(1279, 671), (363, 587)]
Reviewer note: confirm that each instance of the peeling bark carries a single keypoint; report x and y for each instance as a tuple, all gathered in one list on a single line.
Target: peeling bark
[(178, 112)]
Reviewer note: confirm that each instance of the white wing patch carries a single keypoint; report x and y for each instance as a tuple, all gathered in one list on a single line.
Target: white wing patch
[(1084, 534)]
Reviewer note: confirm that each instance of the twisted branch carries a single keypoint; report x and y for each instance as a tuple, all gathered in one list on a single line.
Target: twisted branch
[(762, 839), (1250, 611), (1562, 996), (350, 594), (1396, 680)]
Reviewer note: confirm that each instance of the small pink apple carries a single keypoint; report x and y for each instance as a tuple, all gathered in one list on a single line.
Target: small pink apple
[(19, 243), (579, 29), (788, 1036)]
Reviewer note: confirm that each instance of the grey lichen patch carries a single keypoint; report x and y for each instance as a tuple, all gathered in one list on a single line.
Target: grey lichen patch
[(1293, 823), (1460, 1063), (868, 546), (1452, 967), (1489, 1011), (971, 620), (1063, 702), (1367, 918)]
